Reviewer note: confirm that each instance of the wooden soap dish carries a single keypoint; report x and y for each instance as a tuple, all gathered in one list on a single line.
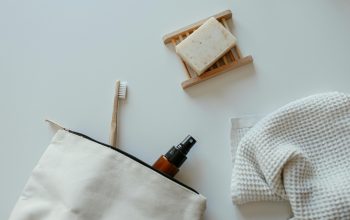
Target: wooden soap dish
[(231, 60)]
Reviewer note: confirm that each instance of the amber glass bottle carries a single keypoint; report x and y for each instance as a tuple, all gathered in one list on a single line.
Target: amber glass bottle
[(175, 157)]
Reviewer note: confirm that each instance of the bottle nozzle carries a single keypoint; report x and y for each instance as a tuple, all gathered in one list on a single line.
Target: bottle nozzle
[(186, 145), (177, 155)]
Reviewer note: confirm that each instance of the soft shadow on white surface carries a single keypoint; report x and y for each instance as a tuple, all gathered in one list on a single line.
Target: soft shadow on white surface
[(264, 210), (221, 84)]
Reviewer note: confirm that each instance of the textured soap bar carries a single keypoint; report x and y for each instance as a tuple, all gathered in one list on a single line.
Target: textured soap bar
[(206, 45)]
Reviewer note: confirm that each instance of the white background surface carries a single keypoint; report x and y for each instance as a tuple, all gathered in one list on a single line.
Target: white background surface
[(60, 59)]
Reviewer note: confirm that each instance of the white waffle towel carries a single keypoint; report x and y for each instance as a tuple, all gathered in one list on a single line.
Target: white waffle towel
[(299, 153)]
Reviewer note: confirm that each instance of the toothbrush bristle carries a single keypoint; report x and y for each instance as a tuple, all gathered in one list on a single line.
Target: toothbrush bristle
[(122, 90)]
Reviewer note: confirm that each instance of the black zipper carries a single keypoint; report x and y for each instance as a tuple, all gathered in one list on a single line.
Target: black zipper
[(133, 158)]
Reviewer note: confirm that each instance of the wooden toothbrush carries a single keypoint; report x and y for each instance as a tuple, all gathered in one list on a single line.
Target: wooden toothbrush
[(120, 93)]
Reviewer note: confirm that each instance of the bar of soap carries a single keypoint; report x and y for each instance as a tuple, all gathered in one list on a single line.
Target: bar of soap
[(206, 45)]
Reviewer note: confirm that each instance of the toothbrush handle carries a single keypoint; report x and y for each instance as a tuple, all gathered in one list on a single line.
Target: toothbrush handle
[(114, 122)]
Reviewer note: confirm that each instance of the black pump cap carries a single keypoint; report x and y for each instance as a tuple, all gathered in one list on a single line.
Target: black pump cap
[(177, 155), (186, 145)]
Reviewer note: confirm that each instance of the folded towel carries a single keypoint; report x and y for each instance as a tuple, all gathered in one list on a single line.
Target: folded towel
[(299, 153), (239, 127)]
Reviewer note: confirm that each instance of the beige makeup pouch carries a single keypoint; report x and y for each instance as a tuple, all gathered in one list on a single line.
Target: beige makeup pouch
[(78, 178)]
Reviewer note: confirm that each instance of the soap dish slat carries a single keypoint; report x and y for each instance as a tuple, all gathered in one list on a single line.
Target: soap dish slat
[(231, 60)]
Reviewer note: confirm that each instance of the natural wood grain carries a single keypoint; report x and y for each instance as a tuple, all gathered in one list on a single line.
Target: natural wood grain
[(180, 38), (218, 63), (232, 57), (225, 59), (238, 51), (215, 72), (173, 41), (167, 38), (223, 20), (114, 122), (231, 60)]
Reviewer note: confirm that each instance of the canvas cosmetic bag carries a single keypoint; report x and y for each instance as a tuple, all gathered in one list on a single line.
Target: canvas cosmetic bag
[(78, 178)]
